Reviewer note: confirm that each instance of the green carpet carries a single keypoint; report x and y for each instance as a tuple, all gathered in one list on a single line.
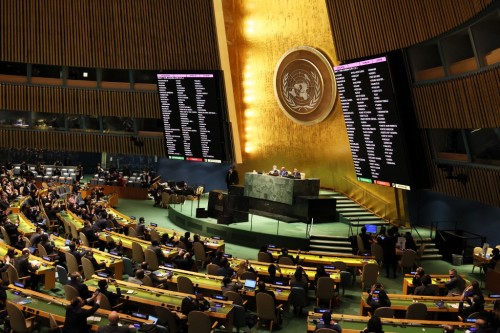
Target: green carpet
[(349, 302)]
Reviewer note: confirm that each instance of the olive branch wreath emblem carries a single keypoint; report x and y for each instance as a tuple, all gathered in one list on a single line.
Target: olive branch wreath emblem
[(314, 100)]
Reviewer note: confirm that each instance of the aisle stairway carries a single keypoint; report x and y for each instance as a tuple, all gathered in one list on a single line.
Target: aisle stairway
[(342, 245), (356, 216)]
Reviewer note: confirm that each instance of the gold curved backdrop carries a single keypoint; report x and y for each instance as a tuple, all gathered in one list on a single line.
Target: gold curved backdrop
[(259, 32)]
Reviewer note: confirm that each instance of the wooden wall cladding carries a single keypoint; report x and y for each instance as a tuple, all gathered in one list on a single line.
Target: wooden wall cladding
[(481, 186), (80, 142), (468, 102), (79, 101), (131, 34), (362, 28)]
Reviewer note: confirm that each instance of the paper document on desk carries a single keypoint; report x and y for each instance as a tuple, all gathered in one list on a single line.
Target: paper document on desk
[(93, 319), (453, 305), (23, 301)]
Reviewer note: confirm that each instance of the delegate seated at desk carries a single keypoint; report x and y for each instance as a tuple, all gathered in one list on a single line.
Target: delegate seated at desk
[(283, 172), (456, 285), (274, 171), (296, 174)]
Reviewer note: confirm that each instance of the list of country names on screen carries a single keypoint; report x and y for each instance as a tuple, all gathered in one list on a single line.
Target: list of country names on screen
[(190, 110), (367, 99)]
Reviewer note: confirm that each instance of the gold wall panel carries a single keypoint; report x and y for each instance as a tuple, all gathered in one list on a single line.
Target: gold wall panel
[(362, 28), (259, 33)]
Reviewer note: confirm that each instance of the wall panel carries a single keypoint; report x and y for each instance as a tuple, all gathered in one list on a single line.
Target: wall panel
[(79, 101), (76, 142), (471, 101), (362, 28), (132, 34)]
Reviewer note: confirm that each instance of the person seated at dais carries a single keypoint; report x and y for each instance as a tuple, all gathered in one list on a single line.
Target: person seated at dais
[(296, 174), (274, 171), (283, 172)]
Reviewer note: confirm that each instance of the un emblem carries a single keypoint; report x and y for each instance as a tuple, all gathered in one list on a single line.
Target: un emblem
[(304, 85)]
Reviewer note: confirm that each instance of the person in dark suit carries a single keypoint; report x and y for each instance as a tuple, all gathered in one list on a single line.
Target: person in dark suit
[(156, 248), (232, 177), (296, 174), (75, 280), (283, 172), (76, 316), (89, 232), (328, 322), (74, 251), (112, 297), (456, 285), (274, 171), (284, 253), (425, 288), (113, 327), (389, 246), (25, 268), (47, 244)]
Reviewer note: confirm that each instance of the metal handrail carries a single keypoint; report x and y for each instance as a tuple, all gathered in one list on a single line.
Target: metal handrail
[(365, 193)]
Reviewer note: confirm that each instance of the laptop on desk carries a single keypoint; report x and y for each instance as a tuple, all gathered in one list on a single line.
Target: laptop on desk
[(250, 285)]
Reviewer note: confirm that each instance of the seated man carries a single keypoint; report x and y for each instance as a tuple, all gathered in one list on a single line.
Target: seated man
[(284, 253), (228, 285), (138, 278), (425, 288), (75, 280), (112, 297), (274, 171), (156, 248), (114, 327), (296, 174), (283, 172), (75, 252), (157, 281), (456, 285), (225, 269), (328, 322), (25, 268)]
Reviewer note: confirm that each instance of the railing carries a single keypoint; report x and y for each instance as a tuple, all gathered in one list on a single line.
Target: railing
[(366, 195), (438, 223)]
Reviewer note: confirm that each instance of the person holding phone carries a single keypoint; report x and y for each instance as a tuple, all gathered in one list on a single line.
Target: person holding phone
[(377, 297)]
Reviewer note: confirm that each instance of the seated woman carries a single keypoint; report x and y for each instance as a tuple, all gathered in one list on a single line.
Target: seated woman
[(243, 267), (374, 325), (320, 272), (474, 297)]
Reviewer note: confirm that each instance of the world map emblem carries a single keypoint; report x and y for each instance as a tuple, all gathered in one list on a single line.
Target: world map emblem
[(304, 85)]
